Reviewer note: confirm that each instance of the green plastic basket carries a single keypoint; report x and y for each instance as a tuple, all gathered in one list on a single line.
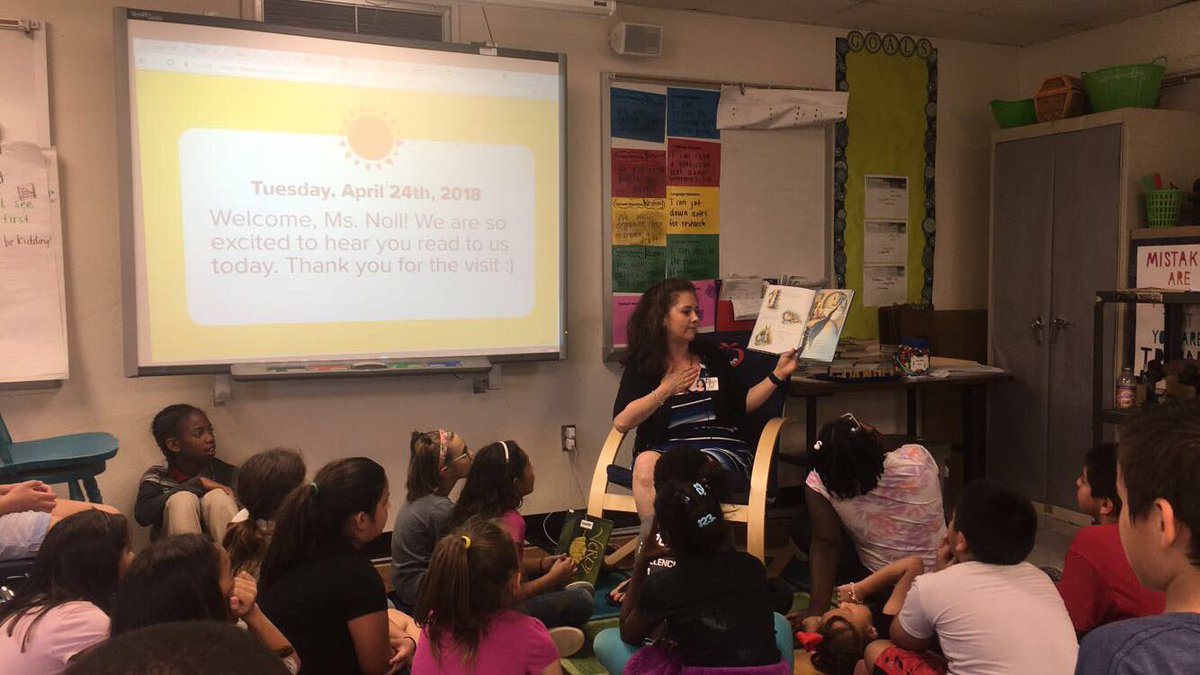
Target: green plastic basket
[(1133, 86), (1009, 114), (1162, 207)]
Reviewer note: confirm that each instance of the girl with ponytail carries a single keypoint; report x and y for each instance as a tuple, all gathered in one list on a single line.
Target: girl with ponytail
[(501, 478), (465, 606), (322, 593), (439, 459), (262, 484), (713, 606)]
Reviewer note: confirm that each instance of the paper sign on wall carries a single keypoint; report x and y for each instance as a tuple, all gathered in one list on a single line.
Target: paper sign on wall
[(33, 340), (1175, 267)]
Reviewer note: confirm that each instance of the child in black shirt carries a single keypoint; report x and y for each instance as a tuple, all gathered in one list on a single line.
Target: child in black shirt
[(713, 606)]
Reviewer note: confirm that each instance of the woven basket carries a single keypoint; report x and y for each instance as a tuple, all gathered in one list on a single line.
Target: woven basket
[(1060, 97)]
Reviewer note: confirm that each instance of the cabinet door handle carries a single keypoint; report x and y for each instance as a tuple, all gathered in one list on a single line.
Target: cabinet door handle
[(1037, 328), (1060, 324)]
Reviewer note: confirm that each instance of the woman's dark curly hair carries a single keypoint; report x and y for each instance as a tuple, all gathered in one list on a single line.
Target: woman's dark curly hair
[(849, 458), (647, 334)]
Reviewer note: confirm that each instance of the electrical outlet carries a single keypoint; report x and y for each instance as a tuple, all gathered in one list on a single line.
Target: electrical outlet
[(568, 438)]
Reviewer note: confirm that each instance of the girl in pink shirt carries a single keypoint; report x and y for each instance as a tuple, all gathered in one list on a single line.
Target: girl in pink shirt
[(62, 610), (465, 608), (501, 477)]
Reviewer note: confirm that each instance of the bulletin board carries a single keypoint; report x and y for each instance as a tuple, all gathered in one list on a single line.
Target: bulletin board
[(884, 168), (684, 199), (33, 328)]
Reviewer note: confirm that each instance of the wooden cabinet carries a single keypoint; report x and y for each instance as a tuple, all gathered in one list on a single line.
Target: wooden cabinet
[(1064, 197)]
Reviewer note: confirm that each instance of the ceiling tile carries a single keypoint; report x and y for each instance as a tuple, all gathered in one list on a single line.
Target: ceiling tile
[(956, 6), (886, 18), (1015, 22), (980, 28)]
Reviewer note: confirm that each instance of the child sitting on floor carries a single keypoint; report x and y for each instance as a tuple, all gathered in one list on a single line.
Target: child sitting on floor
[(465, 607), (1097, 584), (990, 611), (262, 483), (190, 491), (188, 578), (27, 512), (61, 610), (438, 460), (323, 593), (501, 477), (713, 605), (1157, 477)]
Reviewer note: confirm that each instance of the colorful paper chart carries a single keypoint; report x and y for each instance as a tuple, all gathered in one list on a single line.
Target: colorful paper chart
[(664, 202)]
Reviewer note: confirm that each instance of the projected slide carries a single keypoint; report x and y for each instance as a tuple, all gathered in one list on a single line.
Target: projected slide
[(451, 225), (307, 198)]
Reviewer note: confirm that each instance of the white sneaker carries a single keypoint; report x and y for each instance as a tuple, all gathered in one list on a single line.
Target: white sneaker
[(568, 640), (582, 583)]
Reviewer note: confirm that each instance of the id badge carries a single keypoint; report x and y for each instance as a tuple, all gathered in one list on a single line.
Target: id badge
[(705, 383)]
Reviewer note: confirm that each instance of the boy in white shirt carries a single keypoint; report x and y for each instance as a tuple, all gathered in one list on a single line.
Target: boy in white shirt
[(992, 613)]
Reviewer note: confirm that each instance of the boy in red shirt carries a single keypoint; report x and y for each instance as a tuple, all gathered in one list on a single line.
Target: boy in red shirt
[(1098, 585)]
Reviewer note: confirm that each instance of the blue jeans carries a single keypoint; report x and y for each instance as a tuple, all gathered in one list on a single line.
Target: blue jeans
[(561, 608), (613, 653)]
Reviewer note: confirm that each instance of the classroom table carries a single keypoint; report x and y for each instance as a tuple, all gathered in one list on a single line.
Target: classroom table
[(973, 386)]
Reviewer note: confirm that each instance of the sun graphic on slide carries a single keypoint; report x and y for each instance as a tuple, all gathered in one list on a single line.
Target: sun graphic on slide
[(370, 139)]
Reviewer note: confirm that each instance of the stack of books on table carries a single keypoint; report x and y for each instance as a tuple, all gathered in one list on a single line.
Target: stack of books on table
[(856, 359)]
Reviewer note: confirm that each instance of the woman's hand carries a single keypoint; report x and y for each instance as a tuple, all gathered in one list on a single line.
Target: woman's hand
[(786, 365), (677, 381)]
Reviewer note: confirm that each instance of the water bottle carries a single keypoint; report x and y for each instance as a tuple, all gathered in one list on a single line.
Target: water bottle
[(1126, 390)]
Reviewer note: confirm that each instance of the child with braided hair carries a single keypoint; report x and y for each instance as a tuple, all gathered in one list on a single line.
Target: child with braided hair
[(712, 610)]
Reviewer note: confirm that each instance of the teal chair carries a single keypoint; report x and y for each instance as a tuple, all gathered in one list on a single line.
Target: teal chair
[(75, 459)]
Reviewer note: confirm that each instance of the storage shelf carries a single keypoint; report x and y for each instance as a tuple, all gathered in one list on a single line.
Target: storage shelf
[(1165, 232), (1118, 415), (1134, 295)]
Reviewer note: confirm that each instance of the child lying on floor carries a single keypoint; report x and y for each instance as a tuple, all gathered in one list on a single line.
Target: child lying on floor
[(841, 637)]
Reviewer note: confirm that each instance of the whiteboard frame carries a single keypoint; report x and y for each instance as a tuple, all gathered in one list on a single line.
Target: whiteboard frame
[(607, 80), (132, 363)]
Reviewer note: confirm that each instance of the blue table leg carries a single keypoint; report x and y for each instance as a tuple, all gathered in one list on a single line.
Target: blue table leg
[(74, 491)]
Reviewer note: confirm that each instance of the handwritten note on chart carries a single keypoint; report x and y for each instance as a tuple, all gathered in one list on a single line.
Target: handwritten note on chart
[(694, 211), (640, 222), (32, 303), (639, 173), (636, 268), (693, 256), (693, 162), (622, 309), (638, 115), (692, 112)]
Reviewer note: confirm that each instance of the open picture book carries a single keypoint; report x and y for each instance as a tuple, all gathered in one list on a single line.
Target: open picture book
[(802, 319)]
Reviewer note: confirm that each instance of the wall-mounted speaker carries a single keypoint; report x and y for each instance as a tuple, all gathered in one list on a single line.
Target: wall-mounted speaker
[(636, 39)]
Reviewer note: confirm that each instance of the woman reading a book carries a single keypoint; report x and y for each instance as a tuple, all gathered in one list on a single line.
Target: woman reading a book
[(679, 391)]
